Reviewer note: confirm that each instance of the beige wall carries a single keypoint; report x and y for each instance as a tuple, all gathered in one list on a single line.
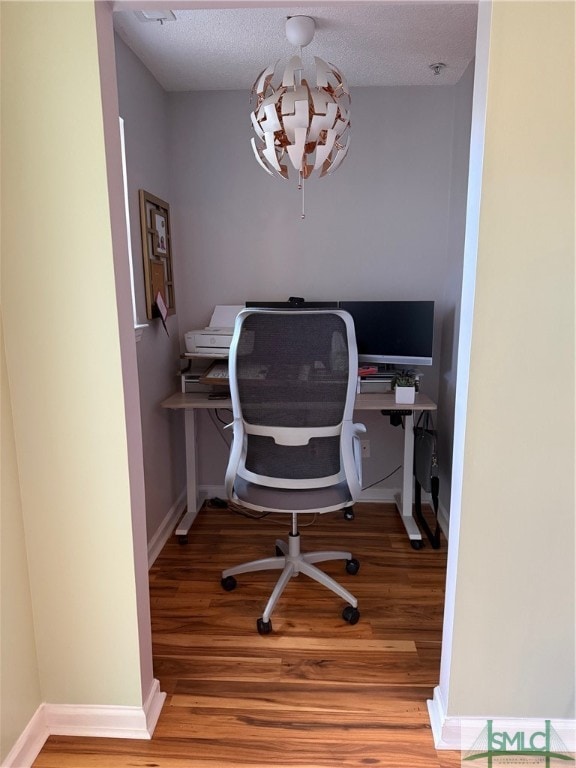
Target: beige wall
[(63, 360), (20, 685), (513, 633)]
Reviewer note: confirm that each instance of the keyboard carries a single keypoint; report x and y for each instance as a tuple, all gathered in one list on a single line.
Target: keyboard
[(218, 371), (216, 374)]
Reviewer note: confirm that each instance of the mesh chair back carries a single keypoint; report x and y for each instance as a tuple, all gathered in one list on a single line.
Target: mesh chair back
[(294, 375)]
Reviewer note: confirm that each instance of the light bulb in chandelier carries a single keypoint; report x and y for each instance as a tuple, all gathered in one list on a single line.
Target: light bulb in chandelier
[(302, 126)]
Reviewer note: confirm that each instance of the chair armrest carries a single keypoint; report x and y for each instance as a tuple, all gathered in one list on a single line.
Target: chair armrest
[(234, 457), (351, 457)]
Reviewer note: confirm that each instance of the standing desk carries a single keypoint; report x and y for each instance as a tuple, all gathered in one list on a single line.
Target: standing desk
[(190, 402)]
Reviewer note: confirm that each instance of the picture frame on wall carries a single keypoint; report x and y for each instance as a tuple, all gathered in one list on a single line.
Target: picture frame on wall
[(160, 227), (156, 255)]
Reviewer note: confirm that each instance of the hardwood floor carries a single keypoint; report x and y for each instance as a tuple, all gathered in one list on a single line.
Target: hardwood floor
[(317, 692)]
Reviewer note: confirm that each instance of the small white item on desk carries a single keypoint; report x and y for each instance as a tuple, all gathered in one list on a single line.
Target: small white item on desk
[(405, 395)]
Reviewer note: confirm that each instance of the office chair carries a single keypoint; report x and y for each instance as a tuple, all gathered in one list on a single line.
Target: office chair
[(295, 450)]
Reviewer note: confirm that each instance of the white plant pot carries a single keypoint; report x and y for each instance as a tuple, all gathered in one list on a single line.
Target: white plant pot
[(405, 394)]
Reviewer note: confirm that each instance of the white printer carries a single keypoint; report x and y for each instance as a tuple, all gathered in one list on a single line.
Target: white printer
[(214, 340), (209, 340)]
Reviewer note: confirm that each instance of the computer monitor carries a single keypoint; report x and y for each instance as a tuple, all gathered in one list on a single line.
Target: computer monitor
[(393, 332)]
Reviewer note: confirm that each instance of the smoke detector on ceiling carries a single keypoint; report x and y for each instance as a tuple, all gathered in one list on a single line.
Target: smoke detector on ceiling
[(160, 16), (437, 67)]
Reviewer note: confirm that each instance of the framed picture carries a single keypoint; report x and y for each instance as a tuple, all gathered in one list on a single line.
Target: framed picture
[(160, 237), (156, 255)]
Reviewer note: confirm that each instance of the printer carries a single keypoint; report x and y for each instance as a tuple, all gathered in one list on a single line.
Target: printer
[(215, 339), (209, 341)]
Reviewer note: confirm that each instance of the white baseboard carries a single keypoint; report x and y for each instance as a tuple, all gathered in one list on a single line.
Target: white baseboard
[(448, 731), (85, 720), (384, 495), (166, 528), (29, 743), (212, 491), (370, 494), (108, 720), (445, 731), (152, 707)]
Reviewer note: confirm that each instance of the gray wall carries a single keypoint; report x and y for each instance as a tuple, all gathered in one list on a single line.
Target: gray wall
[(143, 106), (377, 228), (389, 224)]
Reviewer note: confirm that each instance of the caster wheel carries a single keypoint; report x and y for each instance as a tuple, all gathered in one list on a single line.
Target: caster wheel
[(352, 566), (182, 540), (348, 514), (279, 552), (229, 583), (416, 543), (264, 627), (351, 615)]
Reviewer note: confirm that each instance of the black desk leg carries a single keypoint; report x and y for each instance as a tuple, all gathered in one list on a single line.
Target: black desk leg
[(433, 537)]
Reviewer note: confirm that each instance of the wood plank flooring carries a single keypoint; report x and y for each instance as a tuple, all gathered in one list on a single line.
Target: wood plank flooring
[(317, 692)]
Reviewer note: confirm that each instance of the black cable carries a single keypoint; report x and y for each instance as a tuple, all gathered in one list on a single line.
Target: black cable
[(382, 478), (216, 420), (238, 510), (222, 421)]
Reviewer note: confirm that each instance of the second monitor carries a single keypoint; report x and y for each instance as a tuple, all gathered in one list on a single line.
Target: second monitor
[(393, 332), (387, 332)]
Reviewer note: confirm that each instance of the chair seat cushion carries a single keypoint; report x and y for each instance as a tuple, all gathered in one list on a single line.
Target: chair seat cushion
[(283, 500)]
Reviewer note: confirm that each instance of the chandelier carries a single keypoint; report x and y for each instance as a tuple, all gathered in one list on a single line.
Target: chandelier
[(302, 129)]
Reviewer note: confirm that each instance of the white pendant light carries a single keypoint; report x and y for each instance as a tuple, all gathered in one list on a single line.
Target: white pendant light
[(302, 127)]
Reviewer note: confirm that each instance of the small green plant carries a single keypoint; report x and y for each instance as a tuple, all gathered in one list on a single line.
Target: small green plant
[(404, 379)]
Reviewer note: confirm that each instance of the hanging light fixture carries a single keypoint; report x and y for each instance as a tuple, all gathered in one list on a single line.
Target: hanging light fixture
[(302, 129)]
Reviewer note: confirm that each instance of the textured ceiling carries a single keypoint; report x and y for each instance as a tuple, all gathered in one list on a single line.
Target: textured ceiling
[(378, 43)]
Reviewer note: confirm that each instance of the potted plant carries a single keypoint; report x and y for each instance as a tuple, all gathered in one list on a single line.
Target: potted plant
[(405, 387)]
